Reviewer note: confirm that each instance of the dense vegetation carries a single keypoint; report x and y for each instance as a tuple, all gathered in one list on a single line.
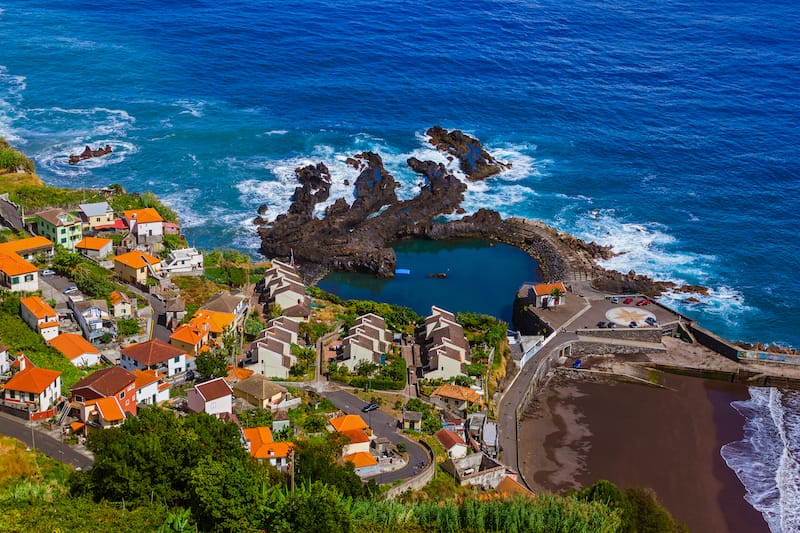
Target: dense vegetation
[(13, 161)]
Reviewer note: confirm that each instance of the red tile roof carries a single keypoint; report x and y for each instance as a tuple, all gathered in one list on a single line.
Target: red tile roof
[(106, 381), (214, 389), (448, 438), (152, 352), (457, 393)]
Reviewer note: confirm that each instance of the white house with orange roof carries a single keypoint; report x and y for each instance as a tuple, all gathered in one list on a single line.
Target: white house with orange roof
[(549, 294), (355, 429), (17, 274), (104, 412), (151, 387), (217, 324), (146, 225), (121, 305), (29, 247), (37, 389), (39, 316), (95, 247), (136, 266), (78, 350), (455, 398), (263, 448)]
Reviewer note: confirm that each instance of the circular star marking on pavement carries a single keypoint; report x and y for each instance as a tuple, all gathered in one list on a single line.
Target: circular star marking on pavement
[(623, 316)]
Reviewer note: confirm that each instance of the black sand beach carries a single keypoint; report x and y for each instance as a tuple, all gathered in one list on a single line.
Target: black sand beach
[(669, 440)]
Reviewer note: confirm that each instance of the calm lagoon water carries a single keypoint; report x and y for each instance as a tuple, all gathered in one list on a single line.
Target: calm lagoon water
[(481, 277)]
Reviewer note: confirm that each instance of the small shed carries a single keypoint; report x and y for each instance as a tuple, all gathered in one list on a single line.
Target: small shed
[(412, 420)]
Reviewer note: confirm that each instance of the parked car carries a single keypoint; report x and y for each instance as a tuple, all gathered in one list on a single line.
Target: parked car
[(72, 289), (643, 301), (601, 324), (48, 272), (627, 300), (611, 325), (651, 321), (633, 324), (369, 407), (615, 299)]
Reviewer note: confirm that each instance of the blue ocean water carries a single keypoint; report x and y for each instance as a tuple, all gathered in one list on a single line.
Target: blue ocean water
[(675, 123)]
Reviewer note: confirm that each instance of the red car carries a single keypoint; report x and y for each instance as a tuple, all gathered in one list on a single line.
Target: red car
[(627, 300), (644, 301)]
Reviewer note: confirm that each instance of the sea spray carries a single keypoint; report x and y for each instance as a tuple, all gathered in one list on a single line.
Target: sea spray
[(767, 459)]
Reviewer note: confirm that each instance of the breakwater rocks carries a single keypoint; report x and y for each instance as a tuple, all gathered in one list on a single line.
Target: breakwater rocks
[(88, 153)]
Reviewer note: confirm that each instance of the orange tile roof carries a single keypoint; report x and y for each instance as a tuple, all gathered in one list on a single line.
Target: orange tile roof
[(262, 445), (14, 265), (509, 487), (348, 422), (92, 243), (32, 379), (216, 321), (47, 325), (76, 426), (144, 216), (30, 243), (136, 259), (234, 372), (146, 377), (38, 307), (360, 459), (355, 435), (188, 333), (117, 297), (544, 289), (109, 408), (73, 345), (457, 393)]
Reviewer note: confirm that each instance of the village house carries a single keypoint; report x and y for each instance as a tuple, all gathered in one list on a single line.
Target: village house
[(29, 248), (260, 391), (213, 397), (476, 469), (548, 294), (218, 325), (41, 318), (367, 341), (96, 214), (175, 309), (183, 262), (412, 420), (273, 349), (121, 305), (283, 286), (103, 413), (454, 398), (355, 429), (146, 226), (17, 274), (452, 443), (262, 448), (95, 247), (151, 387), (35, 389), (154, 355), (113, 383), (228, 302), (78, 350), (191, 338), (5, 361), (444, 348), (93, 318), (136, 267), (61, 227)]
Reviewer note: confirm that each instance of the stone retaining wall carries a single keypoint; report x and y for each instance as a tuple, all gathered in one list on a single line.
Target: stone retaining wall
[(418, 481)]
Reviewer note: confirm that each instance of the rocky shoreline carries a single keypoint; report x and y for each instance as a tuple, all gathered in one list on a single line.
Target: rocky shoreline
[(357, 237)]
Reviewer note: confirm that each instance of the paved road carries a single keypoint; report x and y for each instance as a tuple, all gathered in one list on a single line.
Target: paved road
[(384, 426), (19, 429)]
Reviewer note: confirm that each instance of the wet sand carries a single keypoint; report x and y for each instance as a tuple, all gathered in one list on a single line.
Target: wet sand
[(578, 432)]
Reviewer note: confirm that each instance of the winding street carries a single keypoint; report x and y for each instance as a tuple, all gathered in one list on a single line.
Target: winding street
[(382, 425)]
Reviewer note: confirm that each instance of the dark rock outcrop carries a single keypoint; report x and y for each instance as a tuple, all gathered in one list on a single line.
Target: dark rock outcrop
[(88, 153), (475, 161)]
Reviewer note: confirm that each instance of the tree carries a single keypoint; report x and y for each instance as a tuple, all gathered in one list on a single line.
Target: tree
[(313, 507), (212, 364), (127, 326), (317, 461), (225, 492), (274, 310)]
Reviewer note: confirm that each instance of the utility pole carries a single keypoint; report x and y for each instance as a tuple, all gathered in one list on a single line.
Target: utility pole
[(291, 468)]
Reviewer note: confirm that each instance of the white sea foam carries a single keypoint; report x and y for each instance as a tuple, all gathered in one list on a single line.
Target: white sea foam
[(275, 132), (767, 459), (183, 203), (192, 107), (11, 89), (55, 158)]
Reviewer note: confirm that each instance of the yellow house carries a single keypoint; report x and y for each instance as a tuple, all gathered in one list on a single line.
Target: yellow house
[(135, 267)]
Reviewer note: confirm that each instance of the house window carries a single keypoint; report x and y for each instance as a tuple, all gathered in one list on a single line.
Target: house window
[(13, 394), (122, 395), (14, 281), (63, 240), (98, 219), (30, 397), (78, 398), (29, 277), (177, 359), (63, 231)]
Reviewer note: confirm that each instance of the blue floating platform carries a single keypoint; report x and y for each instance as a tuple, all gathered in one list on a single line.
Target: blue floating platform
[(402, 271)]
